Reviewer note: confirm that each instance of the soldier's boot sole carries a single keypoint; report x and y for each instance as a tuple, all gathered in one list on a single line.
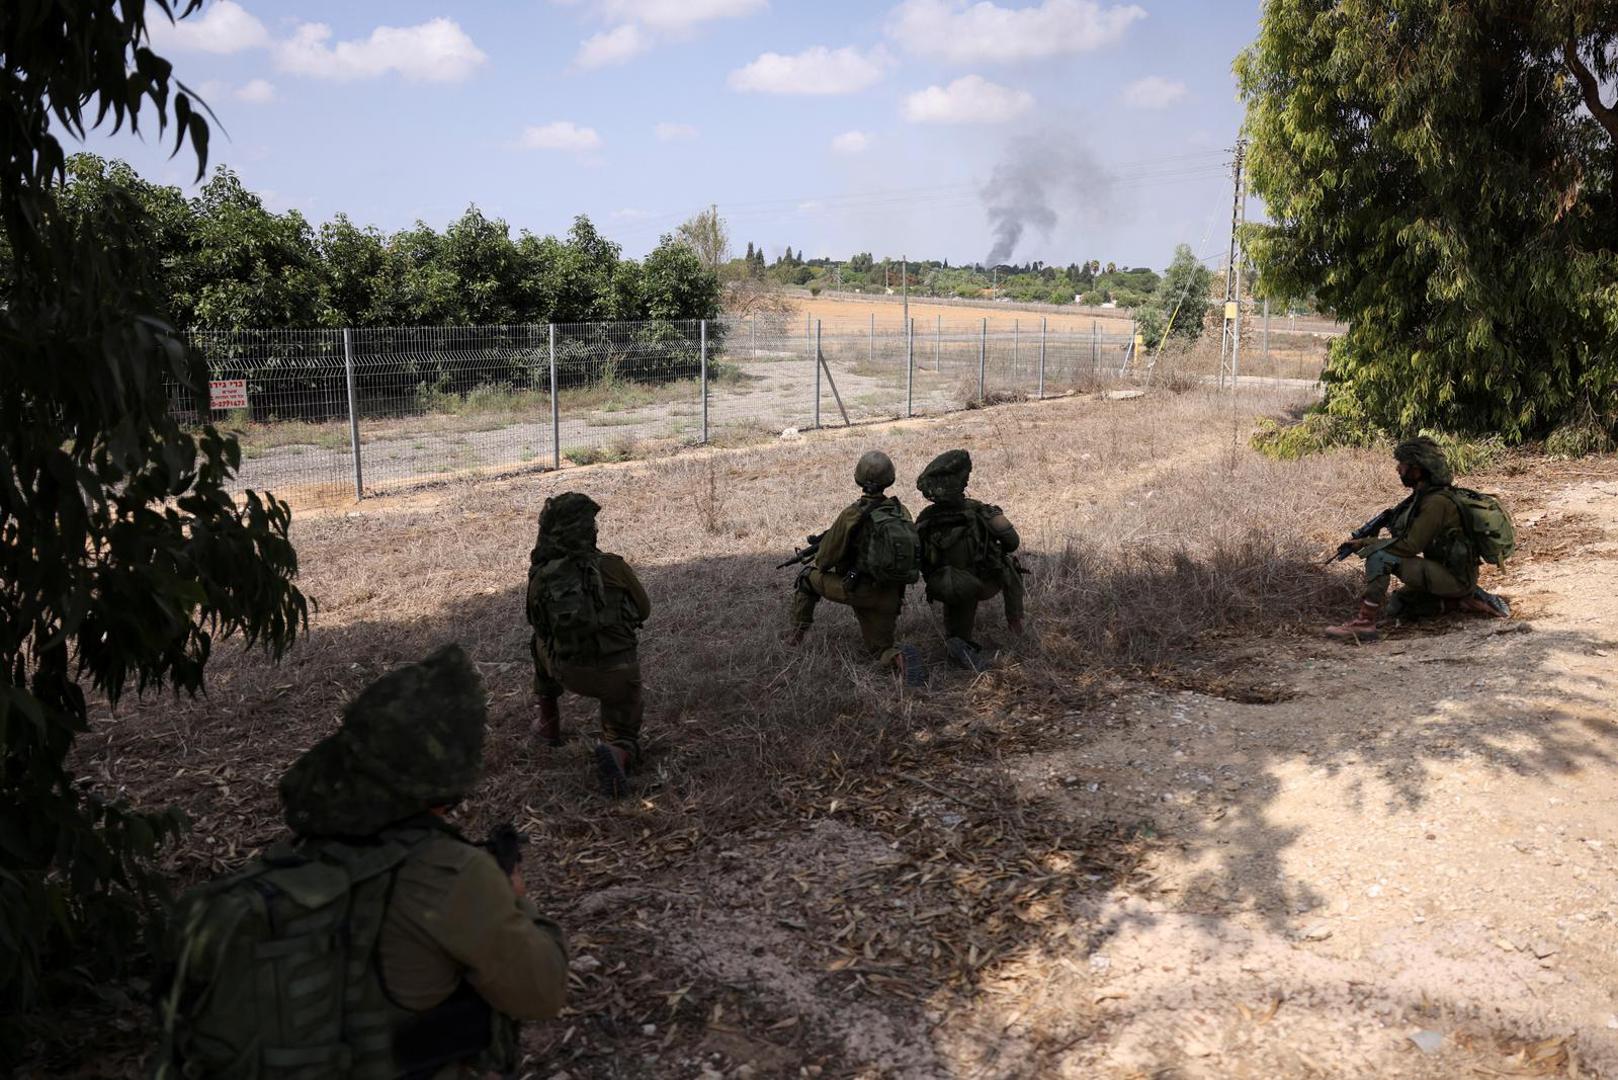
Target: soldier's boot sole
[(963, 653), (909, 666), (1351, 632), (1486, 603), (611, 767)]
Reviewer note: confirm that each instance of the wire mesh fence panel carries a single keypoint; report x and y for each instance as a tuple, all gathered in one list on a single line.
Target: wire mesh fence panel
[(762, 381), (284, 395), (1081, 359), (863, 377), (628, 389), (440, 400)]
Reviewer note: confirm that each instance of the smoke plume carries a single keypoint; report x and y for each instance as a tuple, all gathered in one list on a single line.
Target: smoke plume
[(1038, 180)]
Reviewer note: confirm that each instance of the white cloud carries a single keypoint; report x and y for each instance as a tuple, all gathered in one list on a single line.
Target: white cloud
[(630, 213), (814, 71), (851, 142), (676, 15), (986, 32), (667, 132), (971, 99), (616, 46), (1154, 92), (256, 92), (560, 135), (224, 27), (434, 51)]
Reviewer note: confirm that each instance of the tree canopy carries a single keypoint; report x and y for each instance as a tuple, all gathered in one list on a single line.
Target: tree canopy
[(123, 557), (1441, 177)]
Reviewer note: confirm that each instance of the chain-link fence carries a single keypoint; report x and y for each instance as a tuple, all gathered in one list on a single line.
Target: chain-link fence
[(328, 416)]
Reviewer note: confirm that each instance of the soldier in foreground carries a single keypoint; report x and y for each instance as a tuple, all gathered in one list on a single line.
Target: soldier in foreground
[(378, 942), (966, 555), (1438, 537), (865, 560), (586, 607)]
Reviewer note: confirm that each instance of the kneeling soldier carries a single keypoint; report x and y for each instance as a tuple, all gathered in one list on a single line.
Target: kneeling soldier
[(1439, 535), (966, 555), (377, 941), (586, 607), (865, 560)]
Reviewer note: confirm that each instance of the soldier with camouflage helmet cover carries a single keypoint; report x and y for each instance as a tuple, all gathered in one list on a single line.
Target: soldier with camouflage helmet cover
[(586, 607), (378, 941), (861, 561), (966, 555), (1429, 551)]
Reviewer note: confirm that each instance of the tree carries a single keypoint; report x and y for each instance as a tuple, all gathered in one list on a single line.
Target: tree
[(251, 269), (1181, 300), (705, 233), (123, 556), (676, 285), (1469, 229), (360, 285), (861, 263)]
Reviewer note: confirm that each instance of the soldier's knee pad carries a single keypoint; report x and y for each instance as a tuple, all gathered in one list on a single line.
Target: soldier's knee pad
[(802, 583), (1379, 563)]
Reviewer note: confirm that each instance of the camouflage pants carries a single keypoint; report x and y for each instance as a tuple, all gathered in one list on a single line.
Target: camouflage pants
[(1426, 584), (615, 685), (961, 616), (877, 609)]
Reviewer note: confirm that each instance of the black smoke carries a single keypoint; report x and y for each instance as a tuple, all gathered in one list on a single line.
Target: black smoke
[(1039, 179)]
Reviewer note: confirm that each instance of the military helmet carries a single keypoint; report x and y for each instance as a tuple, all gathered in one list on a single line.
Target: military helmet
[(410, 741), (875, 470), (567, 522), (1425, 452), (945, 476)]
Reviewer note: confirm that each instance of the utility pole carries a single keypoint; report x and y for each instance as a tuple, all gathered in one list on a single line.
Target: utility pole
[(1230, 344), (904, 272)]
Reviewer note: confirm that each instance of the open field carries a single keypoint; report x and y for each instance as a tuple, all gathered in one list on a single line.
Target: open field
[(1173, 834)]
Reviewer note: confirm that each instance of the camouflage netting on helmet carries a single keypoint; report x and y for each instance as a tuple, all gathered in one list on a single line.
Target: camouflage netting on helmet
[(874, 471), (1426, 453), (567, 526), (945, 477), (411, 740)]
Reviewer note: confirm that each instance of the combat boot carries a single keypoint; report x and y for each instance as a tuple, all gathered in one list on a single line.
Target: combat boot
[(547, 727), (612, 765), (907, 664), (966, 654), (1014, 624), (1362, 627), (1485, 603)]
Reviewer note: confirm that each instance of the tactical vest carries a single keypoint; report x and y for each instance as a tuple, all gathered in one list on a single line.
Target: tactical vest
[(960, 537), (579, 617), (1450, 548), (275, 973)]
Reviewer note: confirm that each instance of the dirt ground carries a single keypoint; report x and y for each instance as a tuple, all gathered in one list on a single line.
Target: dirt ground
[(1173, 833)]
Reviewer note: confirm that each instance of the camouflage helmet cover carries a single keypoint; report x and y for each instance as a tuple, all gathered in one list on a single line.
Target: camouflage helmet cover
[(946, 476), (1423, 451), (411, 740), (567, 522), (875, 470)]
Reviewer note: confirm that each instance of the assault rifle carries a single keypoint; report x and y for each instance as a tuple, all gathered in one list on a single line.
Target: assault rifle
[(1368, 530), (804, 554), (505, 843)]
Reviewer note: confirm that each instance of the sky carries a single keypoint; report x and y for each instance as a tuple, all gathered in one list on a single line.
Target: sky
[(1064, 130)]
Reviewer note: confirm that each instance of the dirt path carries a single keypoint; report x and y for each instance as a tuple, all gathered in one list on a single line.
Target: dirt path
[(1420, 840)]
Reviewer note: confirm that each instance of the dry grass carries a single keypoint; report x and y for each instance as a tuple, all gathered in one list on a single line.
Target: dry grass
[(1146, 523)]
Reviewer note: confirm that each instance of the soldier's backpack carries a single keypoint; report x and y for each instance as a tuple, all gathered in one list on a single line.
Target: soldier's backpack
[(960, 536), (575, 614), (273, 969), (1487, 526), (889, 547)]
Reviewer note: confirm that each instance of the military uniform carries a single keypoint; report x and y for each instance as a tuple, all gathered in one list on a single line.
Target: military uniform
[(1428, 550), (966, 550), (606, 667), (378, 942), (875, 606)]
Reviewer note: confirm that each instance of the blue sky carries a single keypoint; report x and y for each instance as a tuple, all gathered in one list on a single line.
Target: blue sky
[(832, 127)]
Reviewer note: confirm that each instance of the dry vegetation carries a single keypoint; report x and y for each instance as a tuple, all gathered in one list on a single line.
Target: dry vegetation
[(721, 910)]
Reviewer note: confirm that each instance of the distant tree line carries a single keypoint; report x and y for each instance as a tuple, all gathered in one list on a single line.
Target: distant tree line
[(226, 262)]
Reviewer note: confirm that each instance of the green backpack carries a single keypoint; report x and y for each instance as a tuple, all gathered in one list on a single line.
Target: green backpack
[(274, 969), (575, 614), (1487, 526), (889, 546)]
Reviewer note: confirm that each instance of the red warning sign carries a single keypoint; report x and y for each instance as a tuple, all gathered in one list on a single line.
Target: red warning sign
[(227, 394)]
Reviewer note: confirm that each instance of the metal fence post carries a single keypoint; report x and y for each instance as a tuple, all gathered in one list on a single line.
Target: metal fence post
[(872, 356), (353, 414), (556, 410), (704, 382), (1095, 346), (754, 324), (1016, 354), (910, 367), (817, 373), (1042, 322), (983, 357), (938, 346)]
